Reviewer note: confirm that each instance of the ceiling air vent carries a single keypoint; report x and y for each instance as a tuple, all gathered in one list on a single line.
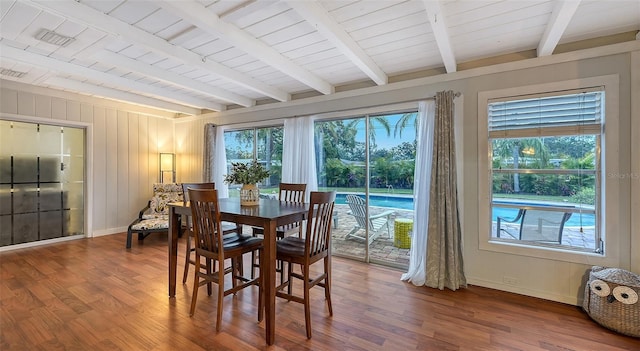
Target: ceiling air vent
[(11, 73), (54, 38)]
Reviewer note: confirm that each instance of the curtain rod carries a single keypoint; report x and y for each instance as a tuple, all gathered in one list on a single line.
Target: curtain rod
[(456, 94)]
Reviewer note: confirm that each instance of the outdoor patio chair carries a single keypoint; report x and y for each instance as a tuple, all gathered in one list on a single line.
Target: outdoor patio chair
[(154, 218), (376, 222), (536, 225)]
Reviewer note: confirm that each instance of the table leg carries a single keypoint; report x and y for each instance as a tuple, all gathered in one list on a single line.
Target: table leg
[(270, 279), (173, 249)]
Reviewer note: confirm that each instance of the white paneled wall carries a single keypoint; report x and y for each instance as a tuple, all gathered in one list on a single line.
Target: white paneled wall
[(124, 143), (190, 148)]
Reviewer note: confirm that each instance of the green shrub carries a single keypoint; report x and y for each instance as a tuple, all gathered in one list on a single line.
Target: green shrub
[(585, 196)]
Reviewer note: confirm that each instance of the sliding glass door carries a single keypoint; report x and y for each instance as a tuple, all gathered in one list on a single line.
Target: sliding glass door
[(369, 161), (392, 151), (342, 166)]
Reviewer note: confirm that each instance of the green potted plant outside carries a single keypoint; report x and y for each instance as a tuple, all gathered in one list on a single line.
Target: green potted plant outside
[(247, 174)]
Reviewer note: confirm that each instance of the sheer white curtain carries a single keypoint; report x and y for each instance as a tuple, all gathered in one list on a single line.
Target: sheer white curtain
[(422, 175), (220, 164), (215, 158), (298, 154)]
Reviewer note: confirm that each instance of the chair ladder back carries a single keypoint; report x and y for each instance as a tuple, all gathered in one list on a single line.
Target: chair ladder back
[(318, 233), (185, 192), (292, 192), (543, 225), (207, 226), (358, 209), (200, 186)]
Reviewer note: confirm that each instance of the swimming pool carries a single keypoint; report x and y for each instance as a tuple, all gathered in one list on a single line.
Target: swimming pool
[(406, 203), (576, 219)]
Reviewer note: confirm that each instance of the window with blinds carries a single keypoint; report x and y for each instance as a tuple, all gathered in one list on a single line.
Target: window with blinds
[(582, 110), (545, 169)]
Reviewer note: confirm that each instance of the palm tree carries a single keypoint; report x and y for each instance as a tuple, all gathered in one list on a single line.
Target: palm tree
[(515, 147), (404, 121), (372, 131)]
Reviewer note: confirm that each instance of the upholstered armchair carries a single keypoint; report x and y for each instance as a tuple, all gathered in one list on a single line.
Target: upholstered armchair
[(154, 218)]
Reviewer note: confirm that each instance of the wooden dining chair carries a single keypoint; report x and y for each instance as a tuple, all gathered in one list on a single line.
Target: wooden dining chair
[(288, 192), (305, 251), (229, 229), (211, 244)]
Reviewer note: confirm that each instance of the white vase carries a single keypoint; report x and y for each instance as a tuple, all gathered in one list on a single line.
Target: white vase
[(249, 195)]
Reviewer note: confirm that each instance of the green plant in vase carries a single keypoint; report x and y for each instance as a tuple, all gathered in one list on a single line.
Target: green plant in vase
[(247, 174)]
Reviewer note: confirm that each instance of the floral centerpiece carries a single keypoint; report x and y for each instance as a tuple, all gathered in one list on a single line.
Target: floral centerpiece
[(247, 174)]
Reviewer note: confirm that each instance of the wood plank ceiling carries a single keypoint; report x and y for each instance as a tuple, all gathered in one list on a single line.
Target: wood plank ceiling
[(196, 56)]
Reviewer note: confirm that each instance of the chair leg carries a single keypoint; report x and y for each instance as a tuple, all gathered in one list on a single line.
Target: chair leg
[(187, 259), (281, 264), (241, 266), (307, 307), (220, 295), (253, 264), (290, 281), (352, 232), (129, 234), (196, 285), (234, 272), (253, 256), (327, 283), (260, 286), (209, 272)]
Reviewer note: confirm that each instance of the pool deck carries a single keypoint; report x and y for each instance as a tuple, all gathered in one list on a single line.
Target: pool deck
[(382, 249)]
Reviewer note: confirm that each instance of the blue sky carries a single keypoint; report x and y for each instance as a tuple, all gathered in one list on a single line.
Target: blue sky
[(382, 140), (386, 142)]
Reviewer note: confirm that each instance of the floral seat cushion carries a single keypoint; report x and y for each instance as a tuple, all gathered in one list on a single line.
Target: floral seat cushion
[(151, 224), (163, 195), (156, 217)]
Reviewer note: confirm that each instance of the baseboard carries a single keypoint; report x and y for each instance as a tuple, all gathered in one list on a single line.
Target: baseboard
[(571, 300), (109, 231)]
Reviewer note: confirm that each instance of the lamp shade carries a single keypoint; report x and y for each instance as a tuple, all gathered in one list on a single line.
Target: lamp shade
[(167, 165), (167, 162)]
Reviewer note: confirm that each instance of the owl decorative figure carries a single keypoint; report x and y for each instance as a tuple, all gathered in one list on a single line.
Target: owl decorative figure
[(611, 299)]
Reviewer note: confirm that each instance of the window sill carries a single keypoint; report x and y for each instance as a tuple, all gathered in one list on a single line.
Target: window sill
[(552, 253)]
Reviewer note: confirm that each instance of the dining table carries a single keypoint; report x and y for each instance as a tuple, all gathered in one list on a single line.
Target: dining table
[(268, 214)]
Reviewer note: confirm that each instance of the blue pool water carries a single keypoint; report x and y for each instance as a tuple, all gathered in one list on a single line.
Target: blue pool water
[(576, 219), (406, 203)]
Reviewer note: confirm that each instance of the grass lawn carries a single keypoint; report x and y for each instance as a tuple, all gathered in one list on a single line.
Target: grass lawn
[(531, 197)]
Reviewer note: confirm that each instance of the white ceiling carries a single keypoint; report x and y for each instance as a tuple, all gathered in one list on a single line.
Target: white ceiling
[(196, 56)]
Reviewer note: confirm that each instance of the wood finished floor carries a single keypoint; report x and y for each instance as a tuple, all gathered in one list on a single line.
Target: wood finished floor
[(92, 294)]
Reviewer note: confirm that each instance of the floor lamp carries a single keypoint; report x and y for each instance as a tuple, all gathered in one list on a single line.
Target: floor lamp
[(167, 167)]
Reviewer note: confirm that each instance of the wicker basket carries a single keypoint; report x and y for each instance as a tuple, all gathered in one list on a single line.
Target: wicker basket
[(611, 299)]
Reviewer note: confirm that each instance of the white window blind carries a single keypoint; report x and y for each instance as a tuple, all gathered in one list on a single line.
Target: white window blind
[(583, 109)]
